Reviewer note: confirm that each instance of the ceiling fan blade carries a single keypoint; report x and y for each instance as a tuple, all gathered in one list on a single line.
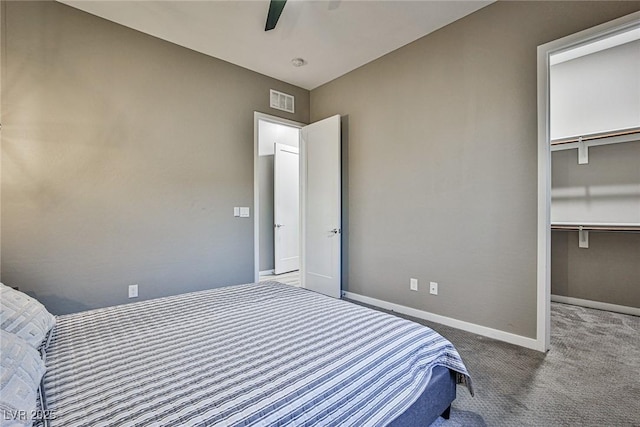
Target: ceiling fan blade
[(275, 10)]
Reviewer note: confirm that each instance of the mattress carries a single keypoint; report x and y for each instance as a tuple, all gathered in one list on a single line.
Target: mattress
[(247, 355)]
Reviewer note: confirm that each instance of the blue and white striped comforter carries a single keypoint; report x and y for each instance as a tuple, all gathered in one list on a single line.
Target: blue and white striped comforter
[(257, 354)]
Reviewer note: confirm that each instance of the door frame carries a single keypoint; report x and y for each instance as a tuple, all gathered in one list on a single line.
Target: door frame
[(543, 293), (257, 117)]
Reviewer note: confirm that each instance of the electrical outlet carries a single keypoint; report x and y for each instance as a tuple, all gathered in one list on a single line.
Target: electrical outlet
[(433, 288), (413, 284), (133, 291)]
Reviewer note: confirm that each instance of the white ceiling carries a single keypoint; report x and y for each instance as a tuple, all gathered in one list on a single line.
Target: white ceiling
[(333, 36)]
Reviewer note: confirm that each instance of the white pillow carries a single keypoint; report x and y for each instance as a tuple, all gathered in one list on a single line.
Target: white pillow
[(24, 316), (21, 370)]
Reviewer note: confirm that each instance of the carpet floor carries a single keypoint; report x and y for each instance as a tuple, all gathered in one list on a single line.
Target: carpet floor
[(590, 376)]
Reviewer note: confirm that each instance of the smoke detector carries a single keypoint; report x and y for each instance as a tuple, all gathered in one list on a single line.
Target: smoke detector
[(298, 62)]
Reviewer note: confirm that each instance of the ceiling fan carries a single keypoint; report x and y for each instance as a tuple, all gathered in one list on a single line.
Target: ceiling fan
[(276, 7), (275, 10)]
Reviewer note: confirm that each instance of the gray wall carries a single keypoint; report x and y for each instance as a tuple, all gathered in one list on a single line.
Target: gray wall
[(608, 271), (122, 159), (265, 171), (443, 162), (607, 189)]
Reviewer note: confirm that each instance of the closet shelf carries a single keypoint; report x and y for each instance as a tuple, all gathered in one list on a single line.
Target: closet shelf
[(584, 229), (582, 143), (632, 134), (619, 227)]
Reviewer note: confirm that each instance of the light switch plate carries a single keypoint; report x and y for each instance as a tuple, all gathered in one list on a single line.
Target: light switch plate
[(413, 284), (236, 211), (133, 291), (244, 212)]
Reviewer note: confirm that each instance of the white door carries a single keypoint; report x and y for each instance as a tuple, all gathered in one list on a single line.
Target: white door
[(320, 191), (286, 208)]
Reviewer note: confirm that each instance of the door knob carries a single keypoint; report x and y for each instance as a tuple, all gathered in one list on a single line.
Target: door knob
[(279, 225), (335, 231)]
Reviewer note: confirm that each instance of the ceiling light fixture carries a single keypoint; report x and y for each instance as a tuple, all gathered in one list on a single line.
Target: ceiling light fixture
[(298, 62)]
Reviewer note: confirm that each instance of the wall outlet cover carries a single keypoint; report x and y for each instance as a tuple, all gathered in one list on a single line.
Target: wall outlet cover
[(433, 288), (413, 284)]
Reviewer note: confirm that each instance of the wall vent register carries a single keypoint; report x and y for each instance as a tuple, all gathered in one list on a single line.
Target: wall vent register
[(281, 101)]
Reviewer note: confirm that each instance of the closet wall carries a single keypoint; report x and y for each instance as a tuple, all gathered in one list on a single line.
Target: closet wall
[(609, 270)]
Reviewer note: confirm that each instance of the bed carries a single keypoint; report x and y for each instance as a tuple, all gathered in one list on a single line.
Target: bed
[(258, 354)]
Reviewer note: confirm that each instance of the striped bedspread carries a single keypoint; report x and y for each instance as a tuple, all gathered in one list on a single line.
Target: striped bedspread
[(249, 355)]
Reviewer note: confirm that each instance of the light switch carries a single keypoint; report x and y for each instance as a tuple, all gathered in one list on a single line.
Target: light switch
[(244, 212), (236, 211)]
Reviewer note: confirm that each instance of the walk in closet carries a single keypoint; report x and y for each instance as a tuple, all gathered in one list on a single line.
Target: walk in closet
[(595, 190)]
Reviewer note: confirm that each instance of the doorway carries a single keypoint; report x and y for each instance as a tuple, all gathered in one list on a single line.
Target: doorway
[(319, 202), (276, 199), (582, 203)]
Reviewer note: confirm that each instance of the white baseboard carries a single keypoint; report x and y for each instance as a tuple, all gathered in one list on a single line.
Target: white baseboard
[(597, 305), (267, 273), (448, 321)]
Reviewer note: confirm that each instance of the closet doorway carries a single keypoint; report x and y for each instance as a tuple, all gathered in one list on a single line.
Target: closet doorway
[(588, 178)]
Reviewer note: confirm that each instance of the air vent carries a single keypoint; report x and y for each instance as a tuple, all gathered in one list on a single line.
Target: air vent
[(281, 101)]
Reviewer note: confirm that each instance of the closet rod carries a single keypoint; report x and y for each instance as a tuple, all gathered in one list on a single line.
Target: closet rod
[(623, 228), (630, 131)]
